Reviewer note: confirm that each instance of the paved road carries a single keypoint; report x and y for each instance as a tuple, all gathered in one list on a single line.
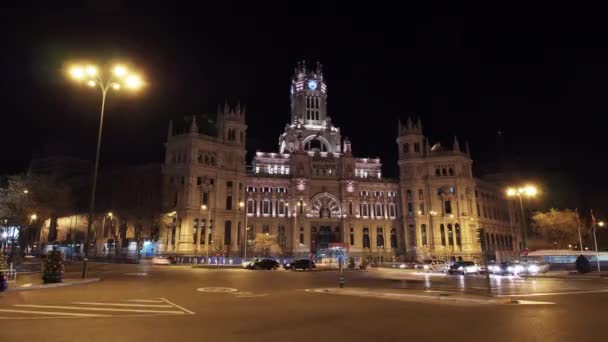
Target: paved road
[(155, 303)]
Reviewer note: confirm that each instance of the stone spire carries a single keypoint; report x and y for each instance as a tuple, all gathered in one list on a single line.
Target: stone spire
[(456, 146), (193, 126)]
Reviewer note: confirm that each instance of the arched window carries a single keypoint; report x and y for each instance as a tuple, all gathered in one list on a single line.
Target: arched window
[(364, 210), (391, 210), (366, 238), (227, 232), (394, 238), (379, 237), (423, 234), (442, 230), (379, 212), (450, 235), (194, 230), (266, 207)]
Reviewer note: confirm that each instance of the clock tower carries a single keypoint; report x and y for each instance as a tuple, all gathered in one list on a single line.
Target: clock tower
[(308, 96)]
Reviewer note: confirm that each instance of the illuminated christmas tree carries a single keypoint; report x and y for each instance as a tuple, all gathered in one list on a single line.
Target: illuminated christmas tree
[(53, 269)]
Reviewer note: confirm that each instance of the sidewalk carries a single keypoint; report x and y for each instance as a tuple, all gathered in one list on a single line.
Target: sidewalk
[(33, 281)]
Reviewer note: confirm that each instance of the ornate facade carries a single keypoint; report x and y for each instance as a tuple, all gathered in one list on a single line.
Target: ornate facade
[(313, 194)]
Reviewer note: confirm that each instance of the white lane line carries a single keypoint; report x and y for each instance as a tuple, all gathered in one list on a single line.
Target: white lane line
[(551, 293), (145, 300), (94, 309), (532, 302), (54, 313), (177, 306), (123, 304)]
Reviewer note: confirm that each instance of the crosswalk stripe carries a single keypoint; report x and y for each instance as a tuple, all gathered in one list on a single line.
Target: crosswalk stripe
[(123, 304), (54, 313), (145, 300), (96, 309)]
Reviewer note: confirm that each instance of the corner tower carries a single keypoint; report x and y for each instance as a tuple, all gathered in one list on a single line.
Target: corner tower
[(308, 95)]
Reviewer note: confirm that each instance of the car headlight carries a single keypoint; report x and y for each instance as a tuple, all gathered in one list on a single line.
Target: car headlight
[(245, 263), (510, 268), (460, 268), (519, 268), (402, 266), (287, 265), (533, 268), (426, 267)]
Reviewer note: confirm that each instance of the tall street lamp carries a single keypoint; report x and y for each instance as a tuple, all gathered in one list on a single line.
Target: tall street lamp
[(528, 191), (241, 207), (207, 230), (116, 79)]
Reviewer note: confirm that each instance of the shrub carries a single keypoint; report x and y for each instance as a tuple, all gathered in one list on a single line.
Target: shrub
[(53, 268), (582, 264)]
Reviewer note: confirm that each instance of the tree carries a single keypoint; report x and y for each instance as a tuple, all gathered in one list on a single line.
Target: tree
[(582, 264), (266, 244), (555, 228), (53, 268), (26, 195)]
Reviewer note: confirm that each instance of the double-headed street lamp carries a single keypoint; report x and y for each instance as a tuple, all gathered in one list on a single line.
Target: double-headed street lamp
[(116, 79), (528, 191)]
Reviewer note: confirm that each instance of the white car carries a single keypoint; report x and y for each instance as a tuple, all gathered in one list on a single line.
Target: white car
[(432, 265), (161, 261), (464, 268)]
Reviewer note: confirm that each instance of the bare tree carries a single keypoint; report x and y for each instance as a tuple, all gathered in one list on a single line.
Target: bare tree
[(266, 244), (555, 228)]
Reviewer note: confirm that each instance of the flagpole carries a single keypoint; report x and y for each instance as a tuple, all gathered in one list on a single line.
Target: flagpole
[(597, 253), (578, 226)]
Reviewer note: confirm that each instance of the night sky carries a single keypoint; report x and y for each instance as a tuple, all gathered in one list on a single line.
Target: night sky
[(540, 79)]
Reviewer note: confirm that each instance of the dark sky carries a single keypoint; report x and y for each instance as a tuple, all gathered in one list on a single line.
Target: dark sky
[(540, 78)]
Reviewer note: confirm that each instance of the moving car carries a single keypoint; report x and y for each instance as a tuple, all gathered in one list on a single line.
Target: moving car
[(506, 268), (464, 268), (263, 264), (159, 260), (432, 265), (300, 264), (534, 267)]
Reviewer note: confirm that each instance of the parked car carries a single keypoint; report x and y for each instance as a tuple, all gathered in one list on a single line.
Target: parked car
[(464, 268), (300, 264), (506, 268), (263, 264), (432, 265), (160, 260)]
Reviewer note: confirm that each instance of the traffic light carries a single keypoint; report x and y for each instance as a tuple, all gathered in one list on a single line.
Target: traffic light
[(481, 238)]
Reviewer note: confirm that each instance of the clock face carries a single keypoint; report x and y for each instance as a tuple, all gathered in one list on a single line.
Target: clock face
[(312, 85)]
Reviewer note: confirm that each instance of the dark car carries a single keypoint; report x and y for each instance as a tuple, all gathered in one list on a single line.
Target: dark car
[(300, 264), (263, 264), (464, 268)]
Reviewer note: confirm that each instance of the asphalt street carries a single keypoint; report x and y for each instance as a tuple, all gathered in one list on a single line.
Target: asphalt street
[(177, 303)]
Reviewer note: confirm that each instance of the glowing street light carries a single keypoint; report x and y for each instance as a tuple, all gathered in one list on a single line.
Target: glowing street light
[(93, 77), (26, 191), (524, 191), (601, 224), (33, 217)]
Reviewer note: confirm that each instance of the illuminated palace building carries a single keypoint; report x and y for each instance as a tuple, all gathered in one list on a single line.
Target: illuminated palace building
[(313, 195)]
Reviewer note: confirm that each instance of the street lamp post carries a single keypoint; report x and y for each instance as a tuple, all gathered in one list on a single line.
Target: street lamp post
[(119, 76), (525, 191), (207, 230), (242, 206)]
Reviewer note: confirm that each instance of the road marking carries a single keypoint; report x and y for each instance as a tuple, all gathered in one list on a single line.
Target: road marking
[(217, 289), (145, 300), (177, 306), (532, 302), (551, 293), (247, 294), (53, 313), (141, 274), (123, 304), (95, 309)]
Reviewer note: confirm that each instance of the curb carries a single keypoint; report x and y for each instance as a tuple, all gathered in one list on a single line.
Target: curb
[(391, 295), (50, 286)]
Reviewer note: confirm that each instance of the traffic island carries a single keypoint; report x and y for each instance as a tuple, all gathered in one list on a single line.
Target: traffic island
[(40, 285)]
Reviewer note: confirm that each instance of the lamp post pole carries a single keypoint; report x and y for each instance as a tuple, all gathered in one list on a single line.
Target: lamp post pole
[(94, 79)]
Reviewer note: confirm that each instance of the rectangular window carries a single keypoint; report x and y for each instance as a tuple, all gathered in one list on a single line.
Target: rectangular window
[(421, 208), (442, 230), (199, 180), (412, 233), (448, 207), (423, 234), (350, 208), (228, 202), (410, 209), (408, 195), (204, 198), (391, 210), (478, 212), (416, 147), (420, 195)]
